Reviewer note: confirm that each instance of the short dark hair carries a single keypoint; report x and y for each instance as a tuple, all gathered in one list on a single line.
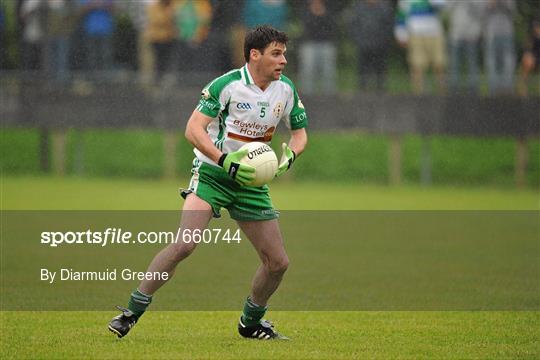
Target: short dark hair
[(262, 36)]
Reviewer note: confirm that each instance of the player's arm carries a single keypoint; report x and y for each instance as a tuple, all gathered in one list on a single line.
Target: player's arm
[(298, 141), (290, 152), (197, 135), (296, 120)]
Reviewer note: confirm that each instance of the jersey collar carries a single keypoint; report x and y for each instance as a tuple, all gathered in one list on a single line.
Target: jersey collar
[(246, 76), (247, 79)]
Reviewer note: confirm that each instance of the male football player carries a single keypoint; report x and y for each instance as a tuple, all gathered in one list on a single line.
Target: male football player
[(240, 106)]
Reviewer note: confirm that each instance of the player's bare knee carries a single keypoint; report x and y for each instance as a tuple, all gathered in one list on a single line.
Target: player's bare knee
[(278, 266), (182, 250)]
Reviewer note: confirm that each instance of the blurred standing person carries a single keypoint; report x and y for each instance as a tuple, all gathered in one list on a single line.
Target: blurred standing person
[(465, 32), (2, 37), (318, 52), (370, 26), (271, 12), (254, 13), (499, 52), (138, 13), (60, 23), (531, 57), (98, 27), (419, 29), (192, 19), (224, 17), (32, 17), (161, 34)]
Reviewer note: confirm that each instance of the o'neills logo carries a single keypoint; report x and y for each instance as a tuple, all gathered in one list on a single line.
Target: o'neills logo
[(259, 151)]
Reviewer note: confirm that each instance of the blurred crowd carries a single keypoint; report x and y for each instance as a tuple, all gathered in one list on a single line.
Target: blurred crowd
[(459, 42)]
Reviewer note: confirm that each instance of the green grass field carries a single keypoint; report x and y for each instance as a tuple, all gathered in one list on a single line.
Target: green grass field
[(49, 193), (315, 334)]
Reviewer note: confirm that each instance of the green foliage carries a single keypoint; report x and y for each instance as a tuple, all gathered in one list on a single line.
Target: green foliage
[(354, 157), (132, 153), (343, 156), (19, 151), (467, 160), (533, 174), (463, 161)]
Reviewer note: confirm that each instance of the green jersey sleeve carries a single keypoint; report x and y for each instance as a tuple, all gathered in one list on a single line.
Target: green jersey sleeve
[(215, 95), (295, 115), (209, 102), (298, 116)]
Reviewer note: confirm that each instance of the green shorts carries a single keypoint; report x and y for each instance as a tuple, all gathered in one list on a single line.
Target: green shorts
[(216, 187)]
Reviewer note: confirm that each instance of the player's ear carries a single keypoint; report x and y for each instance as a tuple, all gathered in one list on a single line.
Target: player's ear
[(254, 54)]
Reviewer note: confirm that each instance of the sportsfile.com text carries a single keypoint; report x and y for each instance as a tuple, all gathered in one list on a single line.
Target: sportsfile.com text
[(121, 237)]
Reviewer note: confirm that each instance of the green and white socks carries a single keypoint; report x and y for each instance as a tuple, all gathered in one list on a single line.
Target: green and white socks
[(252, 313), (138, 302)]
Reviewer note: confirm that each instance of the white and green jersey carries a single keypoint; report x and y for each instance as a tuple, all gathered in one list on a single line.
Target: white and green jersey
[(243, 112)]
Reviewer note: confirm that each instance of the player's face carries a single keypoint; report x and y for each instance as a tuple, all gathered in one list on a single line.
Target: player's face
[(272, 61)]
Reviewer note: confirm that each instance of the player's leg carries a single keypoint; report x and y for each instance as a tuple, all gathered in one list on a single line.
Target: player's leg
[(528, 62), (437, 54), (508, 54), (328, 57), (196, 215), (490, 63), (417, 63), (456, 52), (267, 240), (307, 69), (471, 53)]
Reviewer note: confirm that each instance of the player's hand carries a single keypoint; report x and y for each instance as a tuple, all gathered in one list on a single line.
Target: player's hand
[(241, 173), (287, 158)]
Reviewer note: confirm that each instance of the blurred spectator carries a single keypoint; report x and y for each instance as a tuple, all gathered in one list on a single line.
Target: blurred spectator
[(317, 55), (420, 30), (98, 27), (499, 53), (531, 57), (60, 22), (192, 19), (257, 12), (465, 19), (32, 17), (138, 13), (161, 33), (3, 53), (271, 12), (370, 25), (224, 18)]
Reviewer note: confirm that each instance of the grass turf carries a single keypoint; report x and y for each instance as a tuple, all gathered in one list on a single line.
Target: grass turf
[(315, 334), (49, 193)]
